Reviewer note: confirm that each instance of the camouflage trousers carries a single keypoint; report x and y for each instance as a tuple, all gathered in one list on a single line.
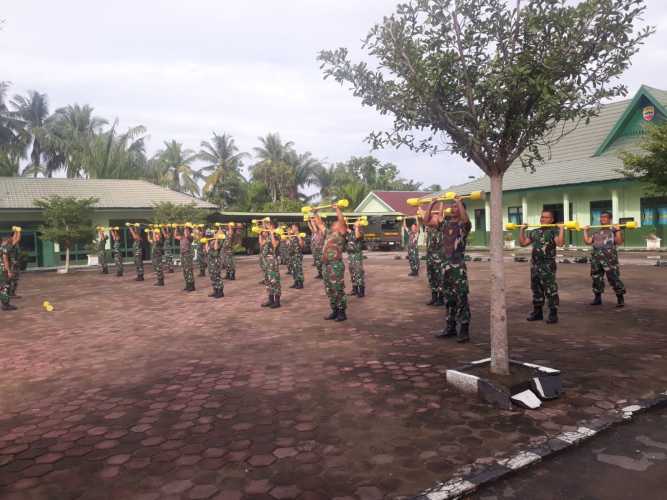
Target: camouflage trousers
[(118, 262), (455, 289), (284, 255), (187, 264), (169, 261), (201, 262), (272, 275), (296, 265), (14, 281), (434, 272), (158, 267), (228, 262), (601, 265), (4, 288), (317, 259), (355, 263), (214, 272), (102, 261), (543, 283), (413, 259), (262, 265), (334, 284), (138, 260)]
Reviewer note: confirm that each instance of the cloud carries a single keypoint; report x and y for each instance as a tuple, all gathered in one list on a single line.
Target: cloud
[(184, 70)]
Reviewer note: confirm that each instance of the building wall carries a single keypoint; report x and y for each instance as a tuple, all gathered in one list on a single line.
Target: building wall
[(373, 205)]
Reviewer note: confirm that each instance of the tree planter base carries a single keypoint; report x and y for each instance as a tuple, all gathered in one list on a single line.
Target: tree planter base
[(527, 385)]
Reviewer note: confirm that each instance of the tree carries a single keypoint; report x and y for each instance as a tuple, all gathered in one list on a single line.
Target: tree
[(109, 155), (650, 167), (223, 182), (67, 221), (176, 165), (272, 168), (167, 212), (32, 110), (499, 84)]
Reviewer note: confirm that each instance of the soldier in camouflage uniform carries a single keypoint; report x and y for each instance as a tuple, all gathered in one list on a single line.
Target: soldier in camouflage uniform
[(215, 264), (295, 245), (228, 262), (155, 238), (333, 265), (355, 259), (455, 229), (168, 254), (102, 251), (6, 274), (15, 257), (413, 250), (544, 241), (117, 254), (268, 244), (199, 255), (138, 254), (604, 259), (317, 235), (434, 259), (184, 238)]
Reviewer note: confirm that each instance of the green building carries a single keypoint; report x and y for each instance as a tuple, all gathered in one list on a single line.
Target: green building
[(120, 201), (580, 177)]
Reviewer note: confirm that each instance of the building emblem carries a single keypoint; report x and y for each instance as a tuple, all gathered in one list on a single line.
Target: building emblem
[(648, 113)]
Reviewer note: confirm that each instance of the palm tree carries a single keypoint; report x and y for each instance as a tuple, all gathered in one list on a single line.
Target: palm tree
[(223, 180), (273, 168), (110, 155), (175, 165), (304, 166), (323, 177), (33, 110), (9, 164)]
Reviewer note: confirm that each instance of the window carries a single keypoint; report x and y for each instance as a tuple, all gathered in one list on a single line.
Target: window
[(514, 215), (597, 207), (654, 211), (480, 219)]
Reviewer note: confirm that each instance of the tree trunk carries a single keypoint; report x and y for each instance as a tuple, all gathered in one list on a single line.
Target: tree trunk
[(67, 260), (499, 341)]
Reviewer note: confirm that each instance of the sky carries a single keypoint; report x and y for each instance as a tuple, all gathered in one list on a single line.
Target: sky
[(247, 68)]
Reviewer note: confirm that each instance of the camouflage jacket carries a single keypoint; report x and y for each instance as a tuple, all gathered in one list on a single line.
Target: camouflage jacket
[(544, 244)]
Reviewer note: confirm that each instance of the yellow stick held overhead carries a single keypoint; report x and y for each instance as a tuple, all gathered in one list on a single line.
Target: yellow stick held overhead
[(340, 204), (449, 196), (570, 225), (627, 225)]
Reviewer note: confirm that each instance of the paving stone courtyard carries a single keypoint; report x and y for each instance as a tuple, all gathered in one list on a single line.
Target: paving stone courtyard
[(129, 391)]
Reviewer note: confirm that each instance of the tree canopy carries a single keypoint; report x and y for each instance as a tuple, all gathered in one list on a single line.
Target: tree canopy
[(650, 167)]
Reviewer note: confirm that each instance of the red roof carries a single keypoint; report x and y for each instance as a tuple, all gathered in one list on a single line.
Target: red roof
[(397, 200)]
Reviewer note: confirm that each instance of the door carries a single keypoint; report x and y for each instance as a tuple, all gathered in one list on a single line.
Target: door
[(480, 238)]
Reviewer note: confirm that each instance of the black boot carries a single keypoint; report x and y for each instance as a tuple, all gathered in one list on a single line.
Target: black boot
[(300, 285), (268, 302), (190, 287), (159, 283), (361, 291), (441, 299), (294, 285), (276, 302), (8, 307), (449, 330), (341, 316), (221, 293), (354, 290), (214, 294), (464, 333), (319, 276), (620, 300), (597, 301), (434, 299), (139, 278), (553, 315), (105, 271), (334, 313), (536, 315), (232, 275)]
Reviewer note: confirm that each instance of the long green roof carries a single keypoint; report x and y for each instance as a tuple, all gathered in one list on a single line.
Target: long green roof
[(573, 160)]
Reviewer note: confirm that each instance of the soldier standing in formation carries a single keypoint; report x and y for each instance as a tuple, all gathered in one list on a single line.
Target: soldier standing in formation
[(434, 259), (317, 235), (138, 254), (455, 229), (544, 241), (268, 244), (102, 251), (16, 262), (184, 237), (117, 254), (6, 274), (228, 262), (168, 254), (413, 250), (604, 259), (213, 252), (333, 265), (155, 238), (295, 245), (355, 259), (199, 256)]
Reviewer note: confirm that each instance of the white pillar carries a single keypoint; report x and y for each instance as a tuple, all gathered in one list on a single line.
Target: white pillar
[(566, 207), (487, 215), (524, 210), (614, 205)]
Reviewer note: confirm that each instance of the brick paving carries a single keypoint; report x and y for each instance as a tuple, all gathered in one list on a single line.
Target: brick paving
[(131, 391)]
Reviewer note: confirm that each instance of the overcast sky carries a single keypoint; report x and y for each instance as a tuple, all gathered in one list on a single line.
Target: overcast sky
[(185, 69)]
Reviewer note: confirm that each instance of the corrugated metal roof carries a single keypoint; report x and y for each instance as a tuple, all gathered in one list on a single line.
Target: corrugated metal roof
[(397, 200), (571, 159), (21, 192)]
